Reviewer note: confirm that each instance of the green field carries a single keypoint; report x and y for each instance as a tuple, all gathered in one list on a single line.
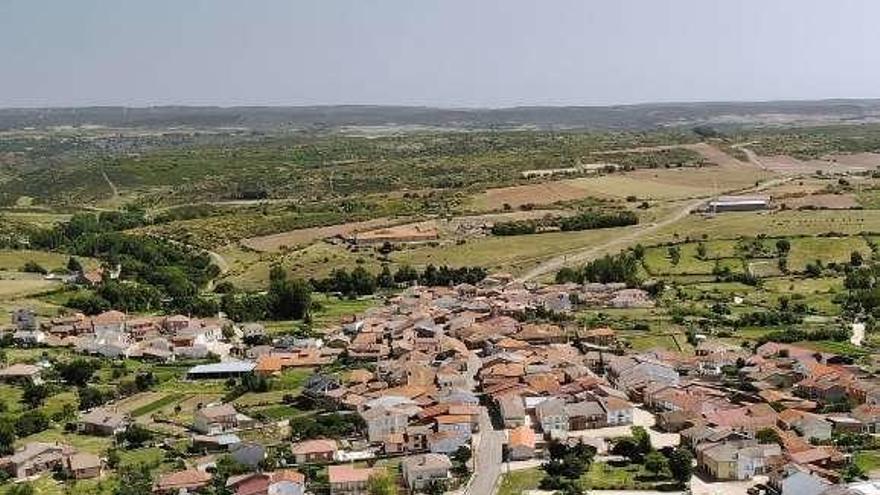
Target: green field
[(157, 405)]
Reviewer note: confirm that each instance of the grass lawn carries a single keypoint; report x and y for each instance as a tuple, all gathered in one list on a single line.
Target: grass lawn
[(55, 404), (157, 404), (517, 482), (87, 443), (276, 413), (776, 223), (11, 398), (657, 260), (19, 285), (828, 249), (13, 260), (152, 456), (867, 460), (333, 309), (509, 252), (603, 476), (648, 342), (842, 348), (292, 379)]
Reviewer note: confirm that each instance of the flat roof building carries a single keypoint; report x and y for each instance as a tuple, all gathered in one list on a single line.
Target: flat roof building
[(739, 203), (226, 369)]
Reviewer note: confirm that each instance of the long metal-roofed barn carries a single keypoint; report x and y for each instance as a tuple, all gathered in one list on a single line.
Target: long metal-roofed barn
[(739, 203), (225, 369)]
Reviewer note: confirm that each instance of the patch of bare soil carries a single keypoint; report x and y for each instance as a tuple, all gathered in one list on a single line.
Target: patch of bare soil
[(823, 201), (301, 237)]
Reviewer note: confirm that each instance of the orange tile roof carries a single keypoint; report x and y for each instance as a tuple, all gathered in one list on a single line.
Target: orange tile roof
[(348, 474), (314, 446), (190, 478), (268, 363), (288, 475), (448, 419), (522, 436)]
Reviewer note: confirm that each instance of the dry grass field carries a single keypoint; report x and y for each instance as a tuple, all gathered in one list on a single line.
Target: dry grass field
[(785, 164), (653, 184), (829, 201), (18, 285), (13, 260), (730, 225), (301, 237)]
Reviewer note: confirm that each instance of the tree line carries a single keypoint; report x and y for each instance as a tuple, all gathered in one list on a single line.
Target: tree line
[(288, 298), (588, 220), (622, 267)]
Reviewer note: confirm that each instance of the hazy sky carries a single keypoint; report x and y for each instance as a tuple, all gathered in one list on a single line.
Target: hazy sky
[(434, 52)]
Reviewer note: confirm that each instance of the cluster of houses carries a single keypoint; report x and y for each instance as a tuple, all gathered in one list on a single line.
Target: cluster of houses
[(790, 387), (114, 334), (433, 367)]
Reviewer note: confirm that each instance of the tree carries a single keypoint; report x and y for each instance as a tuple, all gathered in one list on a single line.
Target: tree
[(435, 487), (7, 437), (362, 282), (77, 372), (385, 278), (405, 274), (767, 435), (853, 472), (135, 436), (626, 447), (381, 483), (814, 270), (89, 304), (783, 247), (90, 397), (674, 254), (288, 299), (34, 395), (681, 465), (460, 459), (643, 440), (30, 422), (113, 458), (73, 265), (134, 480), (856, 259), (783, 264), (33, 267), (655, 463)]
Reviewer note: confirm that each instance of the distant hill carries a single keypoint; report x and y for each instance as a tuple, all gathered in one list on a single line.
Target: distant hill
[(629, 117)]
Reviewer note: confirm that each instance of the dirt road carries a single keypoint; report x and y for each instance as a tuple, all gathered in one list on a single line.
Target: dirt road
[(558, 262), (589, 253), (753, 158)]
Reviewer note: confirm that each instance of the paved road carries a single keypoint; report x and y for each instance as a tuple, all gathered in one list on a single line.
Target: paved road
[(488, 459)]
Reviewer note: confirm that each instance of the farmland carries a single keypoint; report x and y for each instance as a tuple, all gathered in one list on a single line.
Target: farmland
[(323, 206)]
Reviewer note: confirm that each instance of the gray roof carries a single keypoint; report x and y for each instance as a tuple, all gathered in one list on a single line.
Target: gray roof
[(426, 461), (224, 367), (551, 407), (512, 406), (586, 408), (103, 417)]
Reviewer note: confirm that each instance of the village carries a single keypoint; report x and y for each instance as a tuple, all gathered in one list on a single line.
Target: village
[(447, 389)]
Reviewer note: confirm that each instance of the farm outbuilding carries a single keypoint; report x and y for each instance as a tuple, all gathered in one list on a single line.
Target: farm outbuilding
[(227, 369), (739, 203)]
